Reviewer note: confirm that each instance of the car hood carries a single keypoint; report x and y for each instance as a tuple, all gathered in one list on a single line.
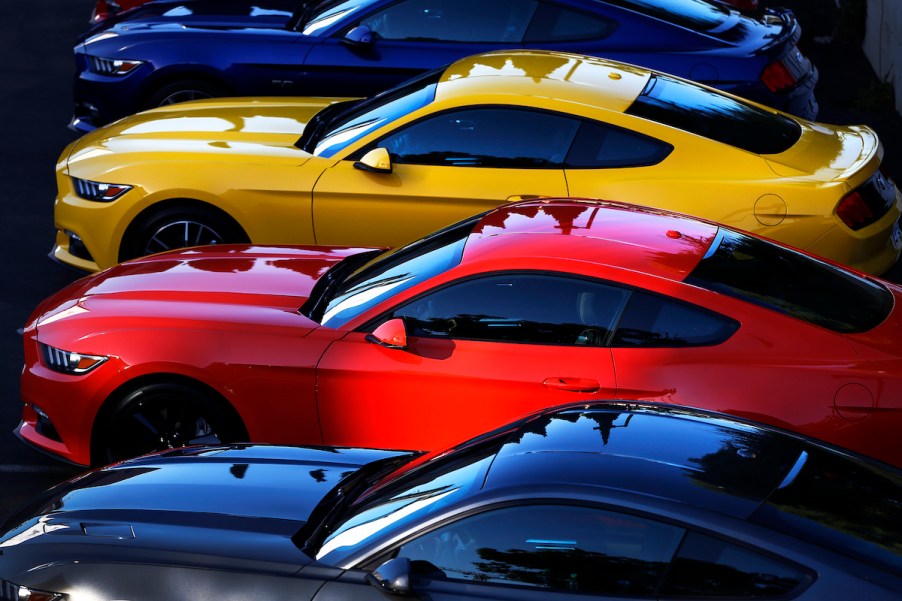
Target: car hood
[(199, 15), (232, 284), (216, 507), (241, 130)]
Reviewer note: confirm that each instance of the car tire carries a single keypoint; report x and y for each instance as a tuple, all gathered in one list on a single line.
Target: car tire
[(183, 91), (160, 416), (179, 227)]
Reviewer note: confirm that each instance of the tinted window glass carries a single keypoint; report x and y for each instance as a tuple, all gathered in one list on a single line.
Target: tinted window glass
[(530, 308), (652, 321), (454, 20), (567, 548), (349, 126), (700, 15), (842, 504), (598, 145), (554, 23), (485, 137), (708, 567), (789, 282), (715, 116), (393, 272)]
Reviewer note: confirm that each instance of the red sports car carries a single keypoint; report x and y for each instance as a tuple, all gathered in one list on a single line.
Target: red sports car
[(533, 304)]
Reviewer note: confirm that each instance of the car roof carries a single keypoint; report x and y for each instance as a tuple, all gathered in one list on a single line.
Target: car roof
[(569, 77), (619, 235)]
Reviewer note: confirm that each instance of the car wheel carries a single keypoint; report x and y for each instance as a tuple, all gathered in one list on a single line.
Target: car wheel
[(164, 416), (179, 227), (182, 91)]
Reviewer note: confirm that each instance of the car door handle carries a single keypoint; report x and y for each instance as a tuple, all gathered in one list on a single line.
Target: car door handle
[(573, 384)]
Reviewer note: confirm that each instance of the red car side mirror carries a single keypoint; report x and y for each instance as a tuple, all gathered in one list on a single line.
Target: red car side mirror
[(391, 334)]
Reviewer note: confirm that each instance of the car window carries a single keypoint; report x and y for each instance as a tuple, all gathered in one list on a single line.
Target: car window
[(364, 117), (715, 116), (699, 15), (785, 280), (395, 271), (556, 547), (709, 567), (324, 14), (529, 308), (499, 21), (485, 137), (840, 503), (653, 321), (555, 23), (599, 145)]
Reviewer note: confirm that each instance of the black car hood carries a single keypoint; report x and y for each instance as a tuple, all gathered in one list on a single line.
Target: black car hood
[(217, 507)]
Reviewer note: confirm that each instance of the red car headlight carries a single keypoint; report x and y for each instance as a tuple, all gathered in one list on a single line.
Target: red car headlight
[(68, 362)]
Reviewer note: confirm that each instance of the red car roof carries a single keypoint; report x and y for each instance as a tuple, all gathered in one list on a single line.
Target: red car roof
[(627, 236)]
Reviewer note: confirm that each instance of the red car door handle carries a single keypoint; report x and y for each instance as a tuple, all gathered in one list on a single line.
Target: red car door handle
[(572, 384)]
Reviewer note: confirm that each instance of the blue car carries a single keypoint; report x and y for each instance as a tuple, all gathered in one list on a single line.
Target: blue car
[(169, 51)]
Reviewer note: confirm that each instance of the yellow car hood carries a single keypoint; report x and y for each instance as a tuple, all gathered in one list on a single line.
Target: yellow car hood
[(241, 127), (829, 153)]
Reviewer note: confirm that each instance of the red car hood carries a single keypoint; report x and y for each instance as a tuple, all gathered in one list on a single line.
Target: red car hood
[(234, 283)]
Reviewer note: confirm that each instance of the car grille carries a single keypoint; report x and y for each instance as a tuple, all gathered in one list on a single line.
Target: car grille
[(9, 591)]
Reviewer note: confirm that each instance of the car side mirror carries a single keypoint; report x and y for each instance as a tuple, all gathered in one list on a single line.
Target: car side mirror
[(391, 334), (359, 37), (393, 576), (377, 161)]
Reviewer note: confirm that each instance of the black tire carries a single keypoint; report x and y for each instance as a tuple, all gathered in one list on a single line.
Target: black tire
[(163, 416), (184, 90), (179, 227)]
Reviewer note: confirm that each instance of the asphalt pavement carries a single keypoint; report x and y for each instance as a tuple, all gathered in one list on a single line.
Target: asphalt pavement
[(35, 103)]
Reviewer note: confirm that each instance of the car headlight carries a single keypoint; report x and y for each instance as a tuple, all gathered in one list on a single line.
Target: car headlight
[(98, 191), (112, 66), (14, 592), (69, 362)]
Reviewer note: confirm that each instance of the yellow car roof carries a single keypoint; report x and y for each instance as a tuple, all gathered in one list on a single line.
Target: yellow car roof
[(570, 77)]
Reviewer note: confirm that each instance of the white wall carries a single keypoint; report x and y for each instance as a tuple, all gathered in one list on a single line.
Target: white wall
[(883, 42)]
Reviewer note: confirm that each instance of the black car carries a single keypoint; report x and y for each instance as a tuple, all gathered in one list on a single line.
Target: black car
[(600, 500)]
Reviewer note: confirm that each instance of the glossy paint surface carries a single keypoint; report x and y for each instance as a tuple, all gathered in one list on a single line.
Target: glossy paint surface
[(277, 193), (227, 317), (313, 522), (256, 48)]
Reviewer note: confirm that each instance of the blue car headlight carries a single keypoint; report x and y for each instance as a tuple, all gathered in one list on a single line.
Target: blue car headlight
[(14, 592), (112, 66)]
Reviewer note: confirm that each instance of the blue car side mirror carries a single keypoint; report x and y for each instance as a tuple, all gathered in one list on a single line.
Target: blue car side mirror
[(359, 37)]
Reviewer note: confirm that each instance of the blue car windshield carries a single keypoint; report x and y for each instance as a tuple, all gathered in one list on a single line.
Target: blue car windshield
[(394, 271), (383, 108), (325, 14)]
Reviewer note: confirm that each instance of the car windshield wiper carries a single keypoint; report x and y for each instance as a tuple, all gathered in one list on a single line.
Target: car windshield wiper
[(331, 509), (320, 123), (325, 287)]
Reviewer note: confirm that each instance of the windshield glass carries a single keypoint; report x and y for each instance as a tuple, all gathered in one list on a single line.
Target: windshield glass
[(420, 491), (323, 15), (383, 108), (698, 15), (787, 281), (709, 113), (395, 271)]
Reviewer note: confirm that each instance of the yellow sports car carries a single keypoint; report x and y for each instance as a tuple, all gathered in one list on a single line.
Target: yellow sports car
[(487, 129)]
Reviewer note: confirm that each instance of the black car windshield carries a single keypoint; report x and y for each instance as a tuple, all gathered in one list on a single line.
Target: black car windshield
[(409, 495), (316, 16), (360, 119), (698, 15), (390, 273), (790, 282), (718, 117)]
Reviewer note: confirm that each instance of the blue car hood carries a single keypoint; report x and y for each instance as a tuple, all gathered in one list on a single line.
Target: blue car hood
[(216, 507)]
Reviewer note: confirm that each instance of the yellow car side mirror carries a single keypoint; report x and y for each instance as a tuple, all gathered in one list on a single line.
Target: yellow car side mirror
[(376, 160)]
